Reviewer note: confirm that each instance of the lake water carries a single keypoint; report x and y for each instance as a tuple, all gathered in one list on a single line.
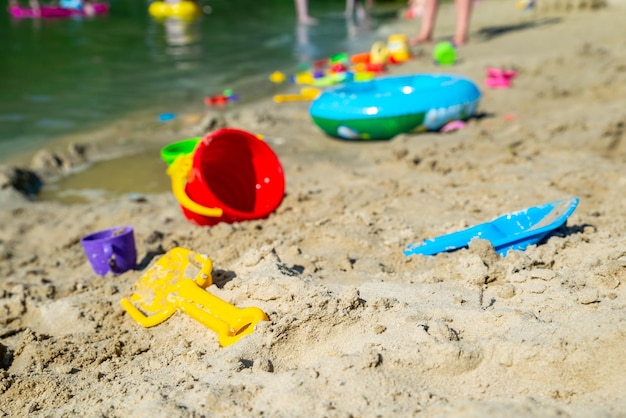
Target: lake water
[(66, 75)]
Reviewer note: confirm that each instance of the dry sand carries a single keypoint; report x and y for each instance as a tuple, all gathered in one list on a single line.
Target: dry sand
[(356, 328)]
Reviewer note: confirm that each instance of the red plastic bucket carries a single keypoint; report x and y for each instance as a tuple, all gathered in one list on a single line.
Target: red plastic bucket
[(236, 172)]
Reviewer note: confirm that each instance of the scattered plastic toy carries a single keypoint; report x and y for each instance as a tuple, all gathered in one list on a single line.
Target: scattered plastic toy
[(320, 63), (509, 117), (388, 106), (498, 78), (175, 149), (379, 54), (111, 250), (306, 93), (331, 79), (166, 117), (361, 58), (181, 10), (340, 58), (221, 99), (303, 77), (513, 231), (342, 68), (398, 47), (277, 77), (231, 176), (55, 11), (455, 125), (167, 287), (444, 53), (525, 5)]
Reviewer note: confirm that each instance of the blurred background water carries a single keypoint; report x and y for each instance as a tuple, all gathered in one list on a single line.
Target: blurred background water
[(59, 76)]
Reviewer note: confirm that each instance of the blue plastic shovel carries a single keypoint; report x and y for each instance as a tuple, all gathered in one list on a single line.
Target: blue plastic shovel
[(513, 231)]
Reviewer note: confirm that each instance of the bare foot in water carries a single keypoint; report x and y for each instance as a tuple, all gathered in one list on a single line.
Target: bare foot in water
[(302, 12), (307, 20)]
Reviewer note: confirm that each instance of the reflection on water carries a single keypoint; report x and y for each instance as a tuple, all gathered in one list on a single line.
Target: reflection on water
[(311, 43), (359, 22), (312, 40), (63, 76), (305, 50), (180, 36), (59, 76), (183, 41)]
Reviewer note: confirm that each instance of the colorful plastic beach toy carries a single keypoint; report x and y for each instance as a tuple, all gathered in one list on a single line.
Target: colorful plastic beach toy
[(379, 53), (499, 79), (398, 46), (277, 77), (54, 11), (455, 125), (181, 10), (513, 231), (167, 287), (444, 53), (500, 73), (166, 117), (111, 250), (226, 97), (183, 147), (384, 107), (306, 94), (231, 176)]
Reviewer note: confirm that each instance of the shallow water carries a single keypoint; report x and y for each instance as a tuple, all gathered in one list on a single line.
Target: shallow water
[(96, 183), (64, 76)]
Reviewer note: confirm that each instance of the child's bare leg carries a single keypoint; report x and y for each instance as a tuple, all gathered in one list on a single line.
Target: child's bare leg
[(34, 4), (349, 7), (429, 15), (89, 9), (302, 11), (463, 12)]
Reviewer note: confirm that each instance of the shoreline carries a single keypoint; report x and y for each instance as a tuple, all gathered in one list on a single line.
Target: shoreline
[(355, 327), (140, 132), (251, 88)]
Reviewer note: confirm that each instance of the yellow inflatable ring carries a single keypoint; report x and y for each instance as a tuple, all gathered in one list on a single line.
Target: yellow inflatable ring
[(183, 9)]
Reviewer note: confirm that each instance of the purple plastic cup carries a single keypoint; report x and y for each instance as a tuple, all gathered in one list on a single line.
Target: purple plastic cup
[(111, 250)]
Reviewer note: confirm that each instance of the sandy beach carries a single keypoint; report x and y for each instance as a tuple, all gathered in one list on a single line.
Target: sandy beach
[(356, 328)]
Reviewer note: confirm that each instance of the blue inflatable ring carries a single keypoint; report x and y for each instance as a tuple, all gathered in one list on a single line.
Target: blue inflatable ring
[(387, 106)]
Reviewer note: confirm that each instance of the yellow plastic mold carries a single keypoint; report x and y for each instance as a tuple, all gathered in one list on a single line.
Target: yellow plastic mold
[(167, 287)]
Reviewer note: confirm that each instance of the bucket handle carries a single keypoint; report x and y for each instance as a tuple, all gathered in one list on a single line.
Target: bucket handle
[(179, 171)]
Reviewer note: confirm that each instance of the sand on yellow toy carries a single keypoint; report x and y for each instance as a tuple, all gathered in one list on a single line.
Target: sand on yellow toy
[(177, 282)]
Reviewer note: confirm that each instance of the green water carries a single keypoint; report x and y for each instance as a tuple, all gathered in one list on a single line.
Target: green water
[(66, 75)]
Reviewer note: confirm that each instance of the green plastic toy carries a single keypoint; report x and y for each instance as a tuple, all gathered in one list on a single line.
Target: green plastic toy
[(444, 53)]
